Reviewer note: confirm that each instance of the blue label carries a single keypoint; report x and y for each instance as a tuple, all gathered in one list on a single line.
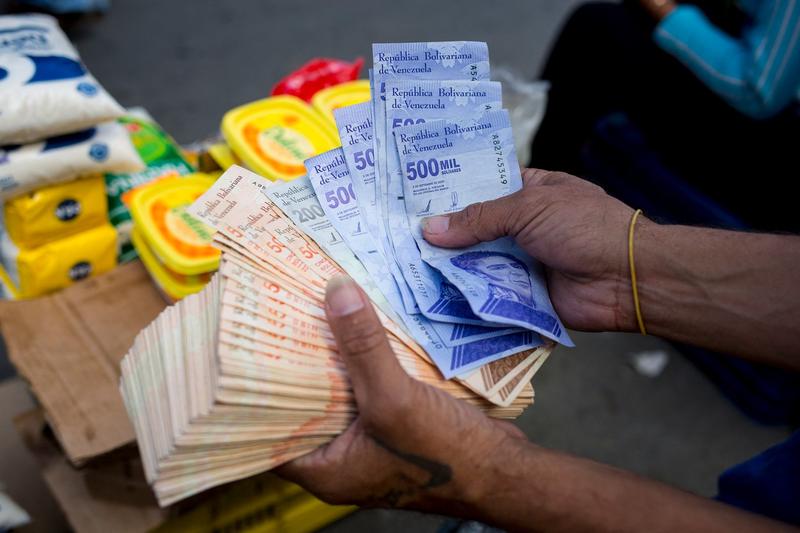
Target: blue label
[(89, 89), (68, 209), (98, 151), (80, 270)]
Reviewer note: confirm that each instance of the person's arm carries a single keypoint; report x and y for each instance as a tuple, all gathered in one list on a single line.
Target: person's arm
[(760, 75), (415, 447), (737, 293), (733, 292)]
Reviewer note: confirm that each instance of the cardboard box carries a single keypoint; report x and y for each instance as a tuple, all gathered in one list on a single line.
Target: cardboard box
[(19, 472), (68, 347), (110, 494)]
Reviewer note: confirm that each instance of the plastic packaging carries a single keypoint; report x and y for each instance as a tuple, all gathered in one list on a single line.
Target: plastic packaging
[(58, 264), (316, 75), (45, 90), (342, 95), (275, 135), (55, 212), (163, 158), (105, 148), (176, 245), (173, 286), (526, 102)]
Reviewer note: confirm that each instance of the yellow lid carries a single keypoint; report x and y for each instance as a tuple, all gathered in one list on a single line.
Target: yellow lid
[(178, 240), (342, 95), (275, 135), (175, 286)]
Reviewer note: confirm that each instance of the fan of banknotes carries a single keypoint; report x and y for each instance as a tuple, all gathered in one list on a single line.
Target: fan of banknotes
[(245, 375)]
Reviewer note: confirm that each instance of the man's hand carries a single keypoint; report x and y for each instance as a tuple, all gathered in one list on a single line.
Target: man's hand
[(658, 9), (416, 447), (412, 445), (572, 227)]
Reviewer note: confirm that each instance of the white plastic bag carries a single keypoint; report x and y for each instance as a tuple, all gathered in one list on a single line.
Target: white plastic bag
[(105, 148), (526, 102), (45, 90)]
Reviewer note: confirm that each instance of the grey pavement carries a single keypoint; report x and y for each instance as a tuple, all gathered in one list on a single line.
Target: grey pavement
[(188, 62)]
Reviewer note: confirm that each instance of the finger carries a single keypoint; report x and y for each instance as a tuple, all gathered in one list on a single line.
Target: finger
[(374, 372), (484, 221)]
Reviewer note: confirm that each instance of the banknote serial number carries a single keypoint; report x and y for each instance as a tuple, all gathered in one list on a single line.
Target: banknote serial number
[(500, 159)]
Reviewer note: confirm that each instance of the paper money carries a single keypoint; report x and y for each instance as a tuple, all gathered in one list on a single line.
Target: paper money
[(452, 60), (329, 175), (452, 361), (415, 102), (246, 375), (448, 166)]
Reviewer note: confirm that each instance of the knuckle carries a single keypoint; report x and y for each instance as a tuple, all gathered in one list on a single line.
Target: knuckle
[(474, 215)]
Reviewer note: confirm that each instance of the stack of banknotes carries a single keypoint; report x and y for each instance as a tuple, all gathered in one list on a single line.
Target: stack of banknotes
[(245, 375)]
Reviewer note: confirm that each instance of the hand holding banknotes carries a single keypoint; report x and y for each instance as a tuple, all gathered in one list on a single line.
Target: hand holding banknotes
[(736, 292), (382, 459), (574, 228), (415, 447)]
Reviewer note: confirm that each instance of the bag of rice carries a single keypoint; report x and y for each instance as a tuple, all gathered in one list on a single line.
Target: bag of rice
[(105, 148), (45, 90)]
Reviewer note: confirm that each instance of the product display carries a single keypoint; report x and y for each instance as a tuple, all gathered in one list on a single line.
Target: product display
[(275, 135), (45, 90)]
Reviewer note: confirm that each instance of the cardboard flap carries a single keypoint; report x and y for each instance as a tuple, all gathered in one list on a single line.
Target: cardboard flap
[(68, 347)]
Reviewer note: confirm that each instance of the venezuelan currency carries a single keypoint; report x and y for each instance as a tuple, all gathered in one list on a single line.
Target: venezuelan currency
[(245, 375), (458, 359), (459, 60), (447, 166), (414, 102)]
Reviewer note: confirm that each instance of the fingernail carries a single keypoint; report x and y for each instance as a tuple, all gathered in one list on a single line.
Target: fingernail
[(436, 225), (342, 296)]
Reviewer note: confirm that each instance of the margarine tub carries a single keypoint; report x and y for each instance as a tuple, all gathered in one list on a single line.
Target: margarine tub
[(173, 285), (177, 240), (58, 264), (275, 135), (342, 95), (54, 212)]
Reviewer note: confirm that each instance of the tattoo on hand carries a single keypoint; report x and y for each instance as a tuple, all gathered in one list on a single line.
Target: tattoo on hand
[(440, 474)]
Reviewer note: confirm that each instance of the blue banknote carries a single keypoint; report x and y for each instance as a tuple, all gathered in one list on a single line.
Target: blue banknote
[(448, 165), (329, 175), (415, 102), (464, 60), (299, 202), (355, 126)]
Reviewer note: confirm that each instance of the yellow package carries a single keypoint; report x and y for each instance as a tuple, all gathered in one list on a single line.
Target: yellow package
[(275, 135), (52, 213), (176, 238), (58, 264), (342, 95)]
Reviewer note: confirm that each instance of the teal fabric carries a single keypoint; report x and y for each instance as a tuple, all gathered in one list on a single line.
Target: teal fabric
[(758, 72)]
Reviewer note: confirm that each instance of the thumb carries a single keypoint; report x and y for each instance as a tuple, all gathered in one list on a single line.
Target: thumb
[(375, 374), (484, 221)]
